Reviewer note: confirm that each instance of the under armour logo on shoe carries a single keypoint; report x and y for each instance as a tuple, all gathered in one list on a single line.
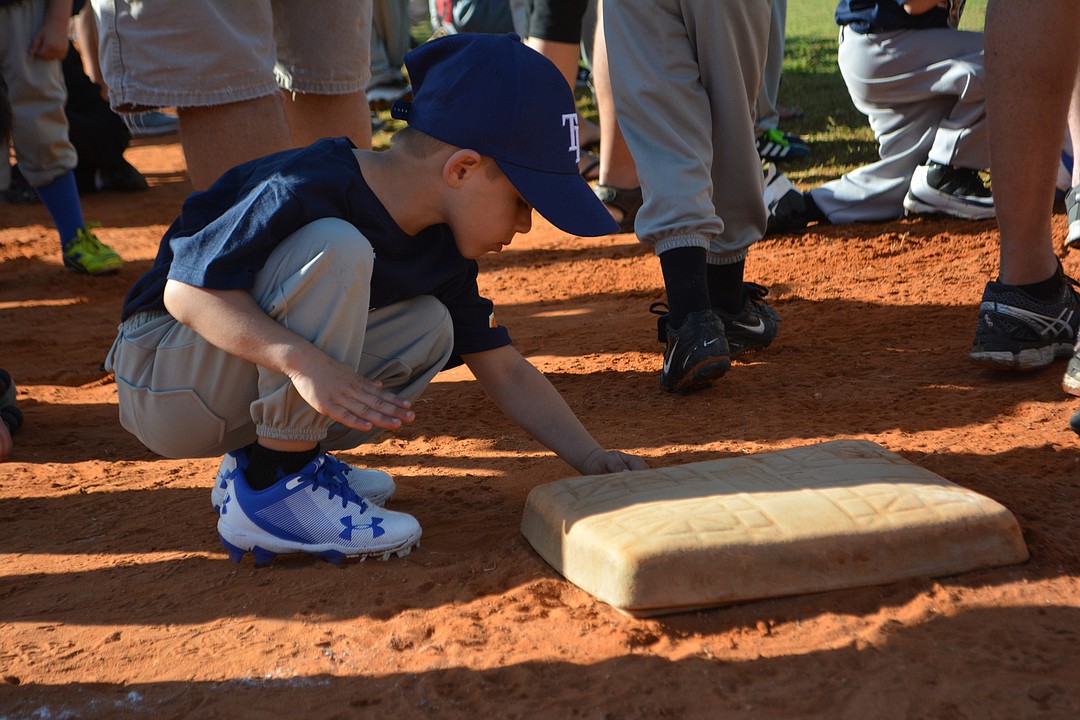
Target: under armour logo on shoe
[(374, 526), (575, 146)]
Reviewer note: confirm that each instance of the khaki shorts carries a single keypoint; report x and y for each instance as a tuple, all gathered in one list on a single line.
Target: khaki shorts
[(195, 53)]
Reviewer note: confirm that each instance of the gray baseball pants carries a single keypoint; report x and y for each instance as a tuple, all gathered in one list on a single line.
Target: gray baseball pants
[(923, 93), (768, 116), (685, 77), (37, 93), (183, 397)]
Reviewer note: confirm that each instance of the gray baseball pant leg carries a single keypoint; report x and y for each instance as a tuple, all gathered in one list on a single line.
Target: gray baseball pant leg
[(389, 40), (37, 93), (686, 75), (768, 116), (922, 91), (183, 397)]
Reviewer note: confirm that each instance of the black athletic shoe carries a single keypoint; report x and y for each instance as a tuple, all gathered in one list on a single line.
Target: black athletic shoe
[(944, 190), (697, 351), (19, 191), (786, 205), (1019, 332), (755, 326), (119, 177)]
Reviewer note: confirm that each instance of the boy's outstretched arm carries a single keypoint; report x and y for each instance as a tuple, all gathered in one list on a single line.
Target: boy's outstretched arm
[(523, 393), (232, 321)]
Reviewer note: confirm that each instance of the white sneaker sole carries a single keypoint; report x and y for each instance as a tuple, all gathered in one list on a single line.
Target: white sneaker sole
[(1070, 385), (1072, 240), (267, 547), (948, 205), (1028, 360)]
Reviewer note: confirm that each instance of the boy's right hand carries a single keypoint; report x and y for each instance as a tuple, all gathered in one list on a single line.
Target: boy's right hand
[(336, 391), (233, 321)]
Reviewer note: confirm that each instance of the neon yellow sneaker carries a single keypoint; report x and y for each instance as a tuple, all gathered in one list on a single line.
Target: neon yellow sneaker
[(85, 253)]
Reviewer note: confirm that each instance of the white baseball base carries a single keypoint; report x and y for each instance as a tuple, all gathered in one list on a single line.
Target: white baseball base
[(839, 514)]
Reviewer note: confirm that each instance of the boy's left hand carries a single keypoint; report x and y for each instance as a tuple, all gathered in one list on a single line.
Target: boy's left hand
[(601, 462)]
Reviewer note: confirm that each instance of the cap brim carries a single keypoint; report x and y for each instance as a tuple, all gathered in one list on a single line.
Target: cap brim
[(564, 199)]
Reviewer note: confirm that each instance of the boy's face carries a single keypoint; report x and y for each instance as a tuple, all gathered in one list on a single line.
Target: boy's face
[(490, 212)]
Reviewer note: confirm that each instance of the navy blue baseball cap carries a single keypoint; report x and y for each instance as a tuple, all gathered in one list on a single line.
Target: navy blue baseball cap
[(495, 95)]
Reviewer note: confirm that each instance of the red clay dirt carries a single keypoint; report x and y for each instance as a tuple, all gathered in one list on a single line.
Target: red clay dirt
[(117, 600)]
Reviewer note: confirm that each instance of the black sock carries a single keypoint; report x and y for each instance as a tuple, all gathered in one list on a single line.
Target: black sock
[(685, 281), (726, 286), (265, 466), (1047, 289)]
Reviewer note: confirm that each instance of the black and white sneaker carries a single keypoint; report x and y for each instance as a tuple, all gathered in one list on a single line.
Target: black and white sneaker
[(784, 202), (1019, 332), (944, 190), (697, 351), (1072, 210), (755, 326)]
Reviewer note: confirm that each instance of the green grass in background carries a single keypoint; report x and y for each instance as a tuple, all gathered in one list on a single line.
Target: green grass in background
[(840, 136)]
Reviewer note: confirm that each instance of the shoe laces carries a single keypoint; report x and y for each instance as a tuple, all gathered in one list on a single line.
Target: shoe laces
[(661, 309), (775, 135), (333, 476), (87, 240), (754, 292), (1070, 284)]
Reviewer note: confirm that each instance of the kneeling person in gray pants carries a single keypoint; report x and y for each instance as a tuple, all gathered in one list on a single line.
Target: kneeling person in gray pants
[(919, 80), (305, 300)]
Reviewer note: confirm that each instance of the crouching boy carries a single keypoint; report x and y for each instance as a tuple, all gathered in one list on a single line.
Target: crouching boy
[(305, 300)]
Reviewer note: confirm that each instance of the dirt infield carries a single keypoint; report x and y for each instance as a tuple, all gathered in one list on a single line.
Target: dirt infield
[(117, 600)]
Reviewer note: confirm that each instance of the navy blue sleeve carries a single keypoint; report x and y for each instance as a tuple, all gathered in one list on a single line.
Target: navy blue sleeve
[(473, 316), (866, 16), (228, 252)]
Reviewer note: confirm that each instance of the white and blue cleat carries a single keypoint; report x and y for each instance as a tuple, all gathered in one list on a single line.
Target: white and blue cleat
[(314, 511)]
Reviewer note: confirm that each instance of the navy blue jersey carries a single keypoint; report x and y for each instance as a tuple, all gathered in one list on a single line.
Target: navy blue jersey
[(225, 234), (865, 16)]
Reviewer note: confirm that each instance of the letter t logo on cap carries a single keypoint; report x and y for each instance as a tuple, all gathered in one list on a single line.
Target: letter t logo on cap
[(571, 119)]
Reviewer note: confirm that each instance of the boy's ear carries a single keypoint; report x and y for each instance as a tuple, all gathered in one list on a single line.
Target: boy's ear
[(460, 166)]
